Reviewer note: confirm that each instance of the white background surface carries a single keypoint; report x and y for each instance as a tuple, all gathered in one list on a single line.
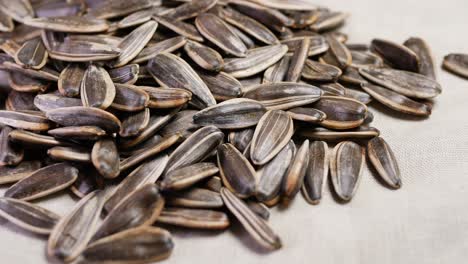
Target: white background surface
[(424, 222)]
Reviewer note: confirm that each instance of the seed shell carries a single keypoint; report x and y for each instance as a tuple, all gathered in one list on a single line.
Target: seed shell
[(194, 218), (384, 161), (316, 173)]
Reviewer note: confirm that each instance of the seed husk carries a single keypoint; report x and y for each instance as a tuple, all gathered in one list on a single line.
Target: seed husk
[(358, 95), (187, 176), (28, 216), (184, 29), (384, 161), (32, 54), (241, 138), (30, 120), (222, 85), (194, 218), (255, 226), (294, 178), (237, 173), (297, 61), (338, 54), (255, 61), (127, 74), (262, 13), (397, 101), (215, 30), (69, 82), (10, 153), (195, 148), (316, 71), (74, 231), (328, 20), (10, 47), (129, 98), (277, 72), (148, 172), (166, 97), (84, 116), (75, 154), (316, 173), (214, 184), (171, 71), (320, 133), (134, 123), (143, 245), (167, 45), (406, 83), (363, 59), (231, 114), (351, 76), (105, 158), (273, 132), (43, 182), (307, 114), (97, 88), (346, 165), (195, 198), (318, 44), (424, 53), (141, 208), (78, 132), (9, 174), (19, 101), (248, 42), (116, 8), (136, 18), (190, 9), (205, 57), (73, 24), (342, 113), (26, 138), (18, 10), (271, 174), (260, 209), (456, 63), (23, 83), (88, 181), (83, 51), (398, 56)]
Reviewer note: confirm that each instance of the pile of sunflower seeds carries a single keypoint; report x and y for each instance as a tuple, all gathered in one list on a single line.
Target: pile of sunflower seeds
[(136, 107)]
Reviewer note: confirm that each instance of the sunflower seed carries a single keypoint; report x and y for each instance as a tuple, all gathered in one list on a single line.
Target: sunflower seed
[(171, 71), (237, 173), (384, 161), (148, 172), (151, 50), (205, 57), (358, 95), (273, 132), (457, 63), (195, 198), (88, 181), (18, 101), (32, 54), (255, 61), (24, 120), (105, 158), (309, 115), (351, 76), (141, 208), (78, 132), (136, 18), (73, 232), (426, 60), (10, 153), (76, 154), (129, 98), (23, 83), (316, 71), (166, 98), (127, 74), (342, 113), (73, 24), (294, 178), (26, 138), (28, 216), (69, 82), (115, 8), (222, 85), (97, 88), (259, 209), (182, 123), (83, 51), (194, 218), (49, 101), (214, 184), (271, 174), (255, 226), (319, 133), (184, 29), (265, 15), (241, 138), (18, 10), (365, 59), (297, 61), (398, 56), (134, 123), (6, 22), (277, 72), (144, 245), (316, 173), (406, 83), (248, 42), (187, 176), (83, 116), (43, 182), (16, 173), (318, 45), (190, 9), (337, 55), (328, 20), (346, 165)]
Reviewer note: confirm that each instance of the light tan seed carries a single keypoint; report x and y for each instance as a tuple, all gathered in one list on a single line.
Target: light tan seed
[(384, 161), (317, 172)]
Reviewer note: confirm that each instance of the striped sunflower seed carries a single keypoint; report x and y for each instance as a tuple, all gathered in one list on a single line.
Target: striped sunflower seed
[(205, 57), (69, 82), (166, 97), (222, 85), (184, 29), (190, 9), (73, 24), (10, 152), (194, 218), (129, 98), (307, 114), (25, 138), (9, 174), (134, 123), (74, 154), (195, 198), (31, 120), (32, 54), (185, 177), (277, 72), (342, 113), (294, 178), (83, 116), (241, 138), (398, 56), (97, 88), (320, 133), (457, 63), (105, 158), (384, 161), (78, 132), (167, 45), (127, 74), (424, 53), (316, 71), (297, 61), (317, 172)]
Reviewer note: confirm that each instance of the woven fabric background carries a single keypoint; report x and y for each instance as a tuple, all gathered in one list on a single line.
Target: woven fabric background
[(424, 222)]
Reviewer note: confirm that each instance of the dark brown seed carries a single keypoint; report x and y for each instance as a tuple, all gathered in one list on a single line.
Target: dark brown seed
[(136, 19), (141, 208), (309, 115), (277, 72), (187, 176), (194, 218), (10, 153), (237, 173), (241, 138), (294, 178), (181, 123), (273, 132), (148, 172), (333, 89), (29, 138), (346, 165), (195, 198), (28, 216), (351, 75), (231, 114), (72, 24), (398, 56), (320, 133), (15, 173), (457, 63), (32, 54), (18, 101), (190, 9), (424, 53), (97, 89), (23, 83), (134, 123), (328, 20), (365, 59), (73, 232), (205, 57), (142, 245), (406, 83), (76, 154), (338, 55), (358, 95), (297, 61), (397, 101), (316, 173), (384, 161), (83, 51), (25, 120), (84, 116), (166, 97), (342, 113), (88, 181), (255, 226), (216, 30), (69, 82), (184, 29), (105, 158), (214, 184), (43, 182), (50, 101), (129, 98), (167, 45), (260, 209), (316, 71), (171, 71), (248, 42), (318, 44), (78, 132), (127, 74), (116, 8), (18, 10)]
